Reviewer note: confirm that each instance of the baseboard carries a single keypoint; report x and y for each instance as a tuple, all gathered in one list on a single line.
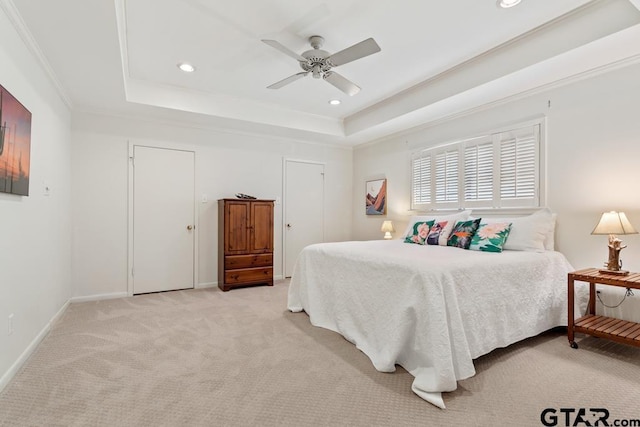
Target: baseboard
[(99, 297), (206, 285), (13, 370)]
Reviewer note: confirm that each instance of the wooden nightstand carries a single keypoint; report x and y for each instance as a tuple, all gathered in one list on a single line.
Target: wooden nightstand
[(602, 326)]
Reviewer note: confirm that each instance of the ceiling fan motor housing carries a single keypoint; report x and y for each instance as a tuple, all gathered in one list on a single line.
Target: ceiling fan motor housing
[(316, 58), (316, 61)]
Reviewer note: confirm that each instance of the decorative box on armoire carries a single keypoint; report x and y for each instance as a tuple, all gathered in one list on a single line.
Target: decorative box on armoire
[(245, 243)]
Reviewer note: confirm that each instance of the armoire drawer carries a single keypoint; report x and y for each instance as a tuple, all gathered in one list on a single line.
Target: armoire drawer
[(249, 275), (248, 261)]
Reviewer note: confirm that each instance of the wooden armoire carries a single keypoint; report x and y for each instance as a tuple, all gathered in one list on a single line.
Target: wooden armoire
[(245, 243)]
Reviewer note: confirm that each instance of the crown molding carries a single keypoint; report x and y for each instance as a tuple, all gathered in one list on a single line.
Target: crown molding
[(30, 42), (626, 62), (184, 124)]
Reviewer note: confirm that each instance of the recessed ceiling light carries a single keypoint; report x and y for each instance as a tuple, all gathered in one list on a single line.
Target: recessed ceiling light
[(335, 102), (508, 3), (187, 68)]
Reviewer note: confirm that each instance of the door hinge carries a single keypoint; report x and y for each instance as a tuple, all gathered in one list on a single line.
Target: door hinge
[(132, 271), (132, 160)]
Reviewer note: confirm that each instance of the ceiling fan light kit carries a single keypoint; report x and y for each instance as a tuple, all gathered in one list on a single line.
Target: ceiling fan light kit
[(319, 63)]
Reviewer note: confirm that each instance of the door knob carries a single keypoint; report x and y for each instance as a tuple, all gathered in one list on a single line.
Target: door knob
[(189, 227), (288, 225)]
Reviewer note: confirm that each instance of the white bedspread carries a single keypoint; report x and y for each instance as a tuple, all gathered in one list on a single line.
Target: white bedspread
[(430, 309)]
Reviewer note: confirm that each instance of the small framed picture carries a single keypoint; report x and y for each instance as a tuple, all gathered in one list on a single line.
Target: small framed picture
[(376, 197)]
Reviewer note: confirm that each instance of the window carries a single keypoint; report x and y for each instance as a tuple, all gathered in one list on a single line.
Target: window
[(499, 170)]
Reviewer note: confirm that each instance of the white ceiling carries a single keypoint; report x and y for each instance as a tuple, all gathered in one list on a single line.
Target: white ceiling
[(438, 58)]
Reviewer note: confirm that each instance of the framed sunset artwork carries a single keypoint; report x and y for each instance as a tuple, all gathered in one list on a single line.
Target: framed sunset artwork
[(15, 145)]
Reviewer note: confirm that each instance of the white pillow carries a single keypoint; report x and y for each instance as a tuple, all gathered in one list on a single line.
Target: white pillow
[(446, 231), (528, 233), (550, 240)]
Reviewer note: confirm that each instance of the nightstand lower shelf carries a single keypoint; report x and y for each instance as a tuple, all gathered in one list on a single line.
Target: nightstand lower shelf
[(618, 330), (608, 327)]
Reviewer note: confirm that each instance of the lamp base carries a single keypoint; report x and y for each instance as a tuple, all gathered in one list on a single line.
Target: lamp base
[(615, 272)]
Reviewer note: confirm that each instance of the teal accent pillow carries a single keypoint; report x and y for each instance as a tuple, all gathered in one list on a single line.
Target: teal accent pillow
[(462, 233), (419, 232), (491, 237)]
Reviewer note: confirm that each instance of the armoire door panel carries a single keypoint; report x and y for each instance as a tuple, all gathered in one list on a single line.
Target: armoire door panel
[(237, 227), (261, 227)]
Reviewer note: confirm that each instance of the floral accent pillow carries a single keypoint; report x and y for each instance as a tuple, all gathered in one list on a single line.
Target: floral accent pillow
[(434, 233), (419, 232), (462, 233), (491, 237)]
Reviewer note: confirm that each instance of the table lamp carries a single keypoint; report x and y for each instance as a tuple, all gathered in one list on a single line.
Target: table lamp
[(387, 227), (613, 223)]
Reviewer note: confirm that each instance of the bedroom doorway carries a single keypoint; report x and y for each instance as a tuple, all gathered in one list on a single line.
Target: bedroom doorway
[(303, 208), (162, 219)]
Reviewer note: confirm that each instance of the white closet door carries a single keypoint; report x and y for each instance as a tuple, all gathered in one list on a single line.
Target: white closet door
[(163, 219), (304, 209)]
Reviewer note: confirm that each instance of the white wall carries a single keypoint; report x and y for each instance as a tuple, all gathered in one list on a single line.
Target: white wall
[(35, 233), (226, 163), (593, 150)]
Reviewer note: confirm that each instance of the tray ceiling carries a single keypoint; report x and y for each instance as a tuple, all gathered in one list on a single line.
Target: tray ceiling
[(438, 59)]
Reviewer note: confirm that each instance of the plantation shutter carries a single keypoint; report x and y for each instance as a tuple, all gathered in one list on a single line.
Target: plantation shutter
[(446, 177), (479, 172), (518, 167), (498, 170), (421, 179)]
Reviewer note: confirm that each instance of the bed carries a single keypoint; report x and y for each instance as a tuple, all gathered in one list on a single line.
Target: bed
[(431, 309)]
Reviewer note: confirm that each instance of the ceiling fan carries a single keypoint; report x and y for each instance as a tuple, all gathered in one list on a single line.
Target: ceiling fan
[(319, 62)]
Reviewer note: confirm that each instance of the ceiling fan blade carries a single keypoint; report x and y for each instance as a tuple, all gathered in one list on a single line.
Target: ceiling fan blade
[(277, 45), (357, 51), (341, 83), (288, 80)]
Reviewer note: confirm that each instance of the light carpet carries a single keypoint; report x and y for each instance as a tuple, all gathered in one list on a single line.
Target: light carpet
[(239, 358)]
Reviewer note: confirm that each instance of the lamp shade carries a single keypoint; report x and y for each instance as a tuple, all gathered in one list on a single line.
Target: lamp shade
[(614, 223), (387, 226)]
